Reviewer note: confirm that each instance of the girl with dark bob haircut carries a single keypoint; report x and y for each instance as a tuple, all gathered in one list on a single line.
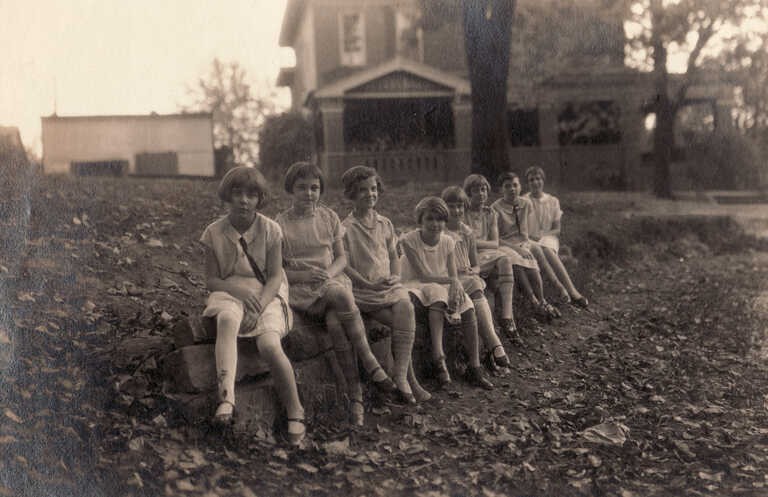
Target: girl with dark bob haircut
[(244, 178), (303, 169)]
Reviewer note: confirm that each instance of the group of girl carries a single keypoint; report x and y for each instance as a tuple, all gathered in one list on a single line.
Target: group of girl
[(462, 252)]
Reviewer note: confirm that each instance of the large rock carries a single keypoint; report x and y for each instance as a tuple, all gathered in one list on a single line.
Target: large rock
[(258, 405), (139, 348), (193, 368)]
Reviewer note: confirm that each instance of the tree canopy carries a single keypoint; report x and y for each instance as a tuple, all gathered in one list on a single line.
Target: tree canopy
[(238, 111)]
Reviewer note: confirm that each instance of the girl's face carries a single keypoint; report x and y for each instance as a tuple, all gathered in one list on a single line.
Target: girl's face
[(243, 204), (456, 210), (478, 195), (432, 224), (306, 193), (511, 189), (535, 183), (366, 194)]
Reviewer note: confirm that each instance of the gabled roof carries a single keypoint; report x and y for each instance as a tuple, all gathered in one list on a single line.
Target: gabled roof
[(363, 81)]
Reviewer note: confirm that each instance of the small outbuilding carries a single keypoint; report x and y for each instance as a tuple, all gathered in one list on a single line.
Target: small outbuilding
[(142, 145)]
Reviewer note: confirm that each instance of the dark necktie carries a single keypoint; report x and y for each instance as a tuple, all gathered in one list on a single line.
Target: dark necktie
[(254, 266)]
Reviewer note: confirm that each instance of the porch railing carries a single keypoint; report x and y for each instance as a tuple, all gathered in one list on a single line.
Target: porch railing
[(405, 165)]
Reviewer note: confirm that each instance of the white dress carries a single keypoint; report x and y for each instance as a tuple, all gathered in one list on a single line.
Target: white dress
[(545, 211), (435, 261)]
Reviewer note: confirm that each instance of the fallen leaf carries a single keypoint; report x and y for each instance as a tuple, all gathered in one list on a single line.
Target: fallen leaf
[(607, 433), (12, 416)]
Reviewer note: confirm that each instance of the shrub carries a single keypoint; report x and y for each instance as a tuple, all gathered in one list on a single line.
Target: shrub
[(284, 139), (723, 160)]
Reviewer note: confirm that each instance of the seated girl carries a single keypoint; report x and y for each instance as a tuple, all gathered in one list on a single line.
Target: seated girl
[(512, 213), (544, 229), (313, 249), (497, 264), (249, 292), (374, 268), (469, 273), (429, 271)]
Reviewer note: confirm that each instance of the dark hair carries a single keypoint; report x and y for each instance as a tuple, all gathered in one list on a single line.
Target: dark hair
[(455, 194), (474, 180), (303, 169), (535, 170), (248, 178), (507, 176), (434, 204), (356, 174)]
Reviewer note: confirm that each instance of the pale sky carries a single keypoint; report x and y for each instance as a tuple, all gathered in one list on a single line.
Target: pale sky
[(127, 56)]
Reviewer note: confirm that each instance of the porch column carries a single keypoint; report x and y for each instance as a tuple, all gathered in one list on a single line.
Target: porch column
[(459, 164), (549, 146), (633, 135), (332, 157)]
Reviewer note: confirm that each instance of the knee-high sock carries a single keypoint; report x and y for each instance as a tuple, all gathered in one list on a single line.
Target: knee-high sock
[(485, 323), (353, 325), (469, 330), (225, 351), (402, 345)]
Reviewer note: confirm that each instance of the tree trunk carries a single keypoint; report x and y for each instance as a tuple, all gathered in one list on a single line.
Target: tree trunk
[(664, 134), (487, 34), (663, 144)]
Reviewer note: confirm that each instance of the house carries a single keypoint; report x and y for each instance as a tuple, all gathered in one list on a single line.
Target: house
[(382, 92), (143, 145)]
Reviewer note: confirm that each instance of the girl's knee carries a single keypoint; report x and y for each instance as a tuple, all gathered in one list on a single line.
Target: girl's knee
[(504, 265), (404, 308), (227, 322), (341, 299), (269, 344), (477, 295)]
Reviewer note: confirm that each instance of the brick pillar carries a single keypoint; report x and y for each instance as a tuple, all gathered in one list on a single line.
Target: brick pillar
[(332, 157), (459, 162)]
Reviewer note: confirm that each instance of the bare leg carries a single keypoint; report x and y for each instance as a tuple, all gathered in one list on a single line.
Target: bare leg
[(562, 273), (471, 341), (521, 274), (284, 379), (436, 323), (485, 322), (545, 268)]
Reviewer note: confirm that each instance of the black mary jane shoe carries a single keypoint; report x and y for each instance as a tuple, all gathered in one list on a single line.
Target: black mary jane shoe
[(405, 398), (501, 361), (476, 378), (581, 302), (386, 385)]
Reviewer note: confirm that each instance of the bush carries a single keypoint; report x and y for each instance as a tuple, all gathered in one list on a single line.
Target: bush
[(723, 160), (284, 139)]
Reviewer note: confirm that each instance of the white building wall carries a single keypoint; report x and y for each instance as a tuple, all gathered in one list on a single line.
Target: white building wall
[(104, 138)]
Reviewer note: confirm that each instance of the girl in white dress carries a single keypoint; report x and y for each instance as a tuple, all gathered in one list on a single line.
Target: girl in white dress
[(544, 229), (512, 216), (469, 274), (374, 268), (249, 293), (430, 274), (313, 247)]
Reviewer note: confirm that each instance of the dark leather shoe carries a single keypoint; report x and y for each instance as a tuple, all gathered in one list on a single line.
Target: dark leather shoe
[(476, 377)]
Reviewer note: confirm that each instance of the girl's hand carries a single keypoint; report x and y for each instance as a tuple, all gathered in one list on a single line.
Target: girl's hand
[(253, 303), (392, 279), (456, 294), (318, 275), (250, 319)]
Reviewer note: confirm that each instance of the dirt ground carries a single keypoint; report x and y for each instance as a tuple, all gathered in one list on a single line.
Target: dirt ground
[(659, 389)]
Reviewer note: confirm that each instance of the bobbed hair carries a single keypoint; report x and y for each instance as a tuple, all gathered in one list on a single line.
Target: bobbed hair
[(431, 204), (355, 175), (507, 176), (245, 177), (535, 170), (303, 169), (455, 194), (474, 180)]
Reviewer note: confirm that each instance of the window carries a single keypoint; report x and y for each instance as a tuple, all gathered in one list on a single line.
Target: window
[(589, 123), (352, 38)]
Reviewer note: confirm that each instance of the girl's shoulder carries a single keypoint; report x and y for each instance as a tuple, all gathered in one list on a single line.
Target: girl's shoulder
[(262, 222), (465, 230)]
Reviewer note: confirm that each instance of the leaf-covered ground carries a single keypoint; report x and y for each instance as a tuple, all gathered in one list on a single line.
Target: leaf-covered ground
[(659, 389)]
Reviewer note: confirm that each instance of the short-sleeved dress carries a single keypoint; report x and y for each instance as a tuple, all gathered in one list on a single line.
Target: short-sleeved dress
[(224, 240), (434, 258), (368, 249), (481, 223), (465, 242), (513, 226), (545, 211), (308, 244)]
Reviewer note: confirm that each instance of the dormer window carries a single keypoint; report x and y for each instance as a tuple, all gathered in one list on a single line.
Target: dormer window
[(352, 38)]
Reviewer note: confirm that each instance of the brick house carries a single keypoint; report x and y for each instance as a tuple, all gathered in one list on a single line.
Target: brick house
[(384, 93)]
